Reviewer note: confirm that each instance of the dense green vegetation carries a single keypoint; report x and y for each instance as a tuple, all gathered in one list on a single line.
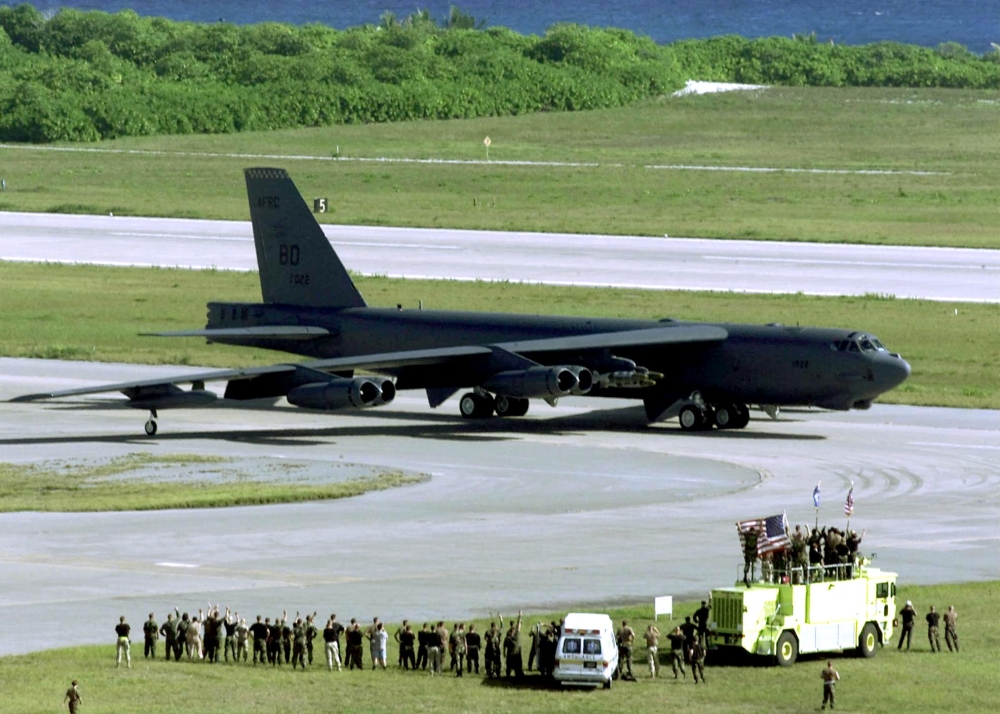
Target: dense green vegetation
[(133, 483), (914, 682), (84, 76), (62, 311)]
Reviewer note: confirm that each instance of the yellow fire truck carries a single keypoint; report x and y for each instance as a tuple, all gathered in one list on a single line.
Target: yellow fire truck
[(806, 610)]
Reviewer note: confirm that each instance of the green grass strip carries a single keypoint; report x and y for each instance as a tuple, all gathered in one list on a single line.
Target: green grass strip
[(115, 486), (916, 682)]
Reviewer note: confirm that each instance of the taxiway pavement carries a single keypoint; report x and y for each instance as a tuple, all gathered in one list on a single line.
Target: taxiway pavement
[(579, 504), (560, 259)]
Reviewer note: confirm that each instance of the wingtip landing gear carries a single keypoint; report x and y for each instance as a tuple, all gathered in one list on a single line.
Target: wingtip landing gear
[(150, 425)]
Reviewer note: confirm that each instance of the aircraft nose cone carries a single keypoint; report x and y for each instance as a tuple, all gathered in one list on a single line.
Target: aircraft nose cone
[(891, 371)]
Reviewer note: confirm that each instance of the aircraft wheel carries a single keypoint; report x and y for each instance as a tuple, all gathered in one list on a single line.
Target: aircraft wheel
[(691, 418), (742, 416), (726, 416), (788, 649), (150, 428), (510, 406), (474, 406)]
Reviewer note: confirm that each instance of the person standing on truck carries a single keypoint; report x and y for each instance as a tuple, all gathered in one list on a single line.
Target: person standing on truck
[(701, 616), (652, 636), (950, 633), (749, 556), (830, 678), (908, 615), (933, 622)]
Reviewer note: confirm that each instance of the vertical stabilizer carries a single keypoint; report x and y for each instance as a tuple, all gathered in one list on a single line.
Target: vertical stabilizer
[(297, 264)]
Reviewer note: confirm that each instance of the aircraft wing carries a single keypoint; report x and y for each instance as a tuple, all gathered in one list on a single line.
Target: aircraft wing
[(667, 335), (385, 360), (679, 334)]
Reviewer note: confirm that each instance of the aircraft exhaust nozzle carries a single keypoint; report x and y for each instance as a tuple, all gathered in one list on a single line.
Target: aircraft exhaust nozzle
[(584, 380), (387, 392), (544, 382), (338, 394)]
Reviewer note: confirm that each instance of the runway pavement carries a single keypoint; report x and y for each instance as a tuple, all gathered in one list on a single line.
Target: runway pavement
[(579, 504), (619, 261)]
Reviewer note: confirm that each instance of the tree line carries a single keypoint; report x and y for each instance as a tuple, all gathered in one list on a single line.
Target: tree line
[(85, 76)]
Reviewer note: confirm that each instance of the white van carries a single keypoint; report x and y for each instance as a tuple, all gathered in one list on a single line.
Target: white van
[(586, 654)]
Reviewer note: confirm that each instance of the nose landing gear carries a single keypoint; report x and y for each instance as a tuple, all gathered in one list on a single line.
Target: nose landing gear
[(150, 425)]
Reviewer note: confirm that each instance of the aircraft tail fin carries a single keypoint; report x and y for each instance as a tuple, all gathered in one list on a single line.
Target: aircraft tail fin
[(298, 266)]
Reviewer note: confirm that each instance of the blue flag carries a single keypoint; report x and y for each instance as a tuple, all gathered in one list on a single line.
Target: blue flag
[(816, 496)]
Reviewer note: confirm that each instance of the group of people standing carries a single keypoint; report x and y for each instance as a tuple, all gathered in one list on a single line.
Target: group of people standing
[(908, 616), (688, 646), (285, 641)]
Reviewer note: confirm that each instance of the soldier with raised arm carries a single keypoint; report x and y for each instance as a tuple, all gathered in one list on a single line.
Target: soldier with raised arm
[(494, 638), (512, 648), (169, 631)]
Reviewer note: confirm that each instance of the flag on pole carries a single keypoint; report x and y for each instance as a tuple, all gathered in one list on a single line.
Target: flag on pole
[(816, 496), (849, 503), (772, 533)]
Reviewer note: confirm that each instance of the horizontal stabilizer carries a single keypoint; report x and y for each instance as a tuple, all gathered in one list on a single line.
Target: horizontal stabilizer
[(283, 332)]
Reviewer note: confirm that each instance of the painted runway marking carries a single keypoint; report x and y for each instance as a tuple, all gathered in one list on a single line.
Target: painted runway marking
[(954, 446), (240, 239), (176, 565), (852, 263), (482, 162)]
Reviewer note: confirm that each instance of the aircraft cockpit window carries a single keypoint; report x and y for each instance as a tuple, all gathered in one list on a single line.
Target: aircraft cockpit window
[(867, 346), (879, 346), (853, 347)]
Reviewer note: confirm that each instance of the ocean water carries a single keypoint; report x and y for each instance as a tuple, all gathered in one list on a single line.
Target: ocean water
[(973, 23)]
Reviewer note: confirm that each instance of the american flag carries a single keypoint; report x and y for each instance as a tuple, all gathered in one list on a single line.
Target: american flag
[(774, 536), (849, 503)]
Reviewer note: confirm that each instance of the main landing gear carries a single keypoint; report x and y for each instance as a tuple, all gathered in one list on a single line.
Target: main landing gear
[(150, 425), (481, 405), (698, 416)]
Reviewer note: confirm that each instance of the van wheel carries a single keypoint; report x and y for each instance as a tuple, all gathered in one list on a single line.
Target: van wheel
[(868, 641), (607, 684), (788, 649)]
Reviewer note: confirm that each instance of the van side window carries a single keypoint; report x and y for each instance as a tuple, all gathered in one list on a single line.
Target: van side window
[(571, 646), (591, 646), (882, 590)]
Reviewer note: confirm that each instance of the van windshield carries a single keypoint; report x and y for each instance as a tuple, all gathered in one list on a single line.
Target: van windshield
[(591, 646), (571, 645)]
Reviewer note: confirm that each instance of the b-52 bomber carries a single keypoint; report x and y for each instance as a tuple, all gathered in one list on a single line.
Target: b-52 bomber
[(704, 374)]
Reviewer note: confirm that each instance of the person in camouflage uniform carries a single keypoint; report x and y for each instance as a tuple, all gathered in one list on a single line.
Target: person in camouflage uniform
[(150, 634), (169, 631), (312, 632), (298, 643), (494, 638)]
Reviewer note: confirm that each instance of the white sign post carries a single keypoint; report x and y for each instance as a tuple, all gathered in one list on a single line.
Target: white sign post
[(663, 606), (487, 141)]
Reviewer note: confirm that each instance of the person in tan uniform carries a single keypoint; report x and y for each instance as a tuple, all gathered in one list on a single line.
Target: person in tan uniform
[(950, 633), (626, 636), (830, 678), (652, 636)]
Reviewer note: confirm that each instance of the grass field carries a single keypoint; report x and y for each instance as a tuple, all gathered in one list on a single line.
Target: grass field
[(128, 484), (914, 682), (952, 132), (61, 311)]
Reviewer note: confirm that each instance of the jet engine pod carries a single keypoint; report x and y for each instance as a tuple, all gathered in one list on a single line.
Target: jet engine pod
[(337, 394), (538, 382)]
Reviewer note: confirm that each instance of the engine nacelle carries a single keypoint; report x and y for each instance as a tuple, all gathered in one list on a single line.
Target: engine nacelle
[(540, 382), (340, 393)]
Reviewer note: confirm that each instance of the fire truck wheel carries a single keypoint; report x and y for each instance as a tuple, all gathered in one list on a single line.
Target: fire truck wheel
[(788, 649), (868, 641)]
